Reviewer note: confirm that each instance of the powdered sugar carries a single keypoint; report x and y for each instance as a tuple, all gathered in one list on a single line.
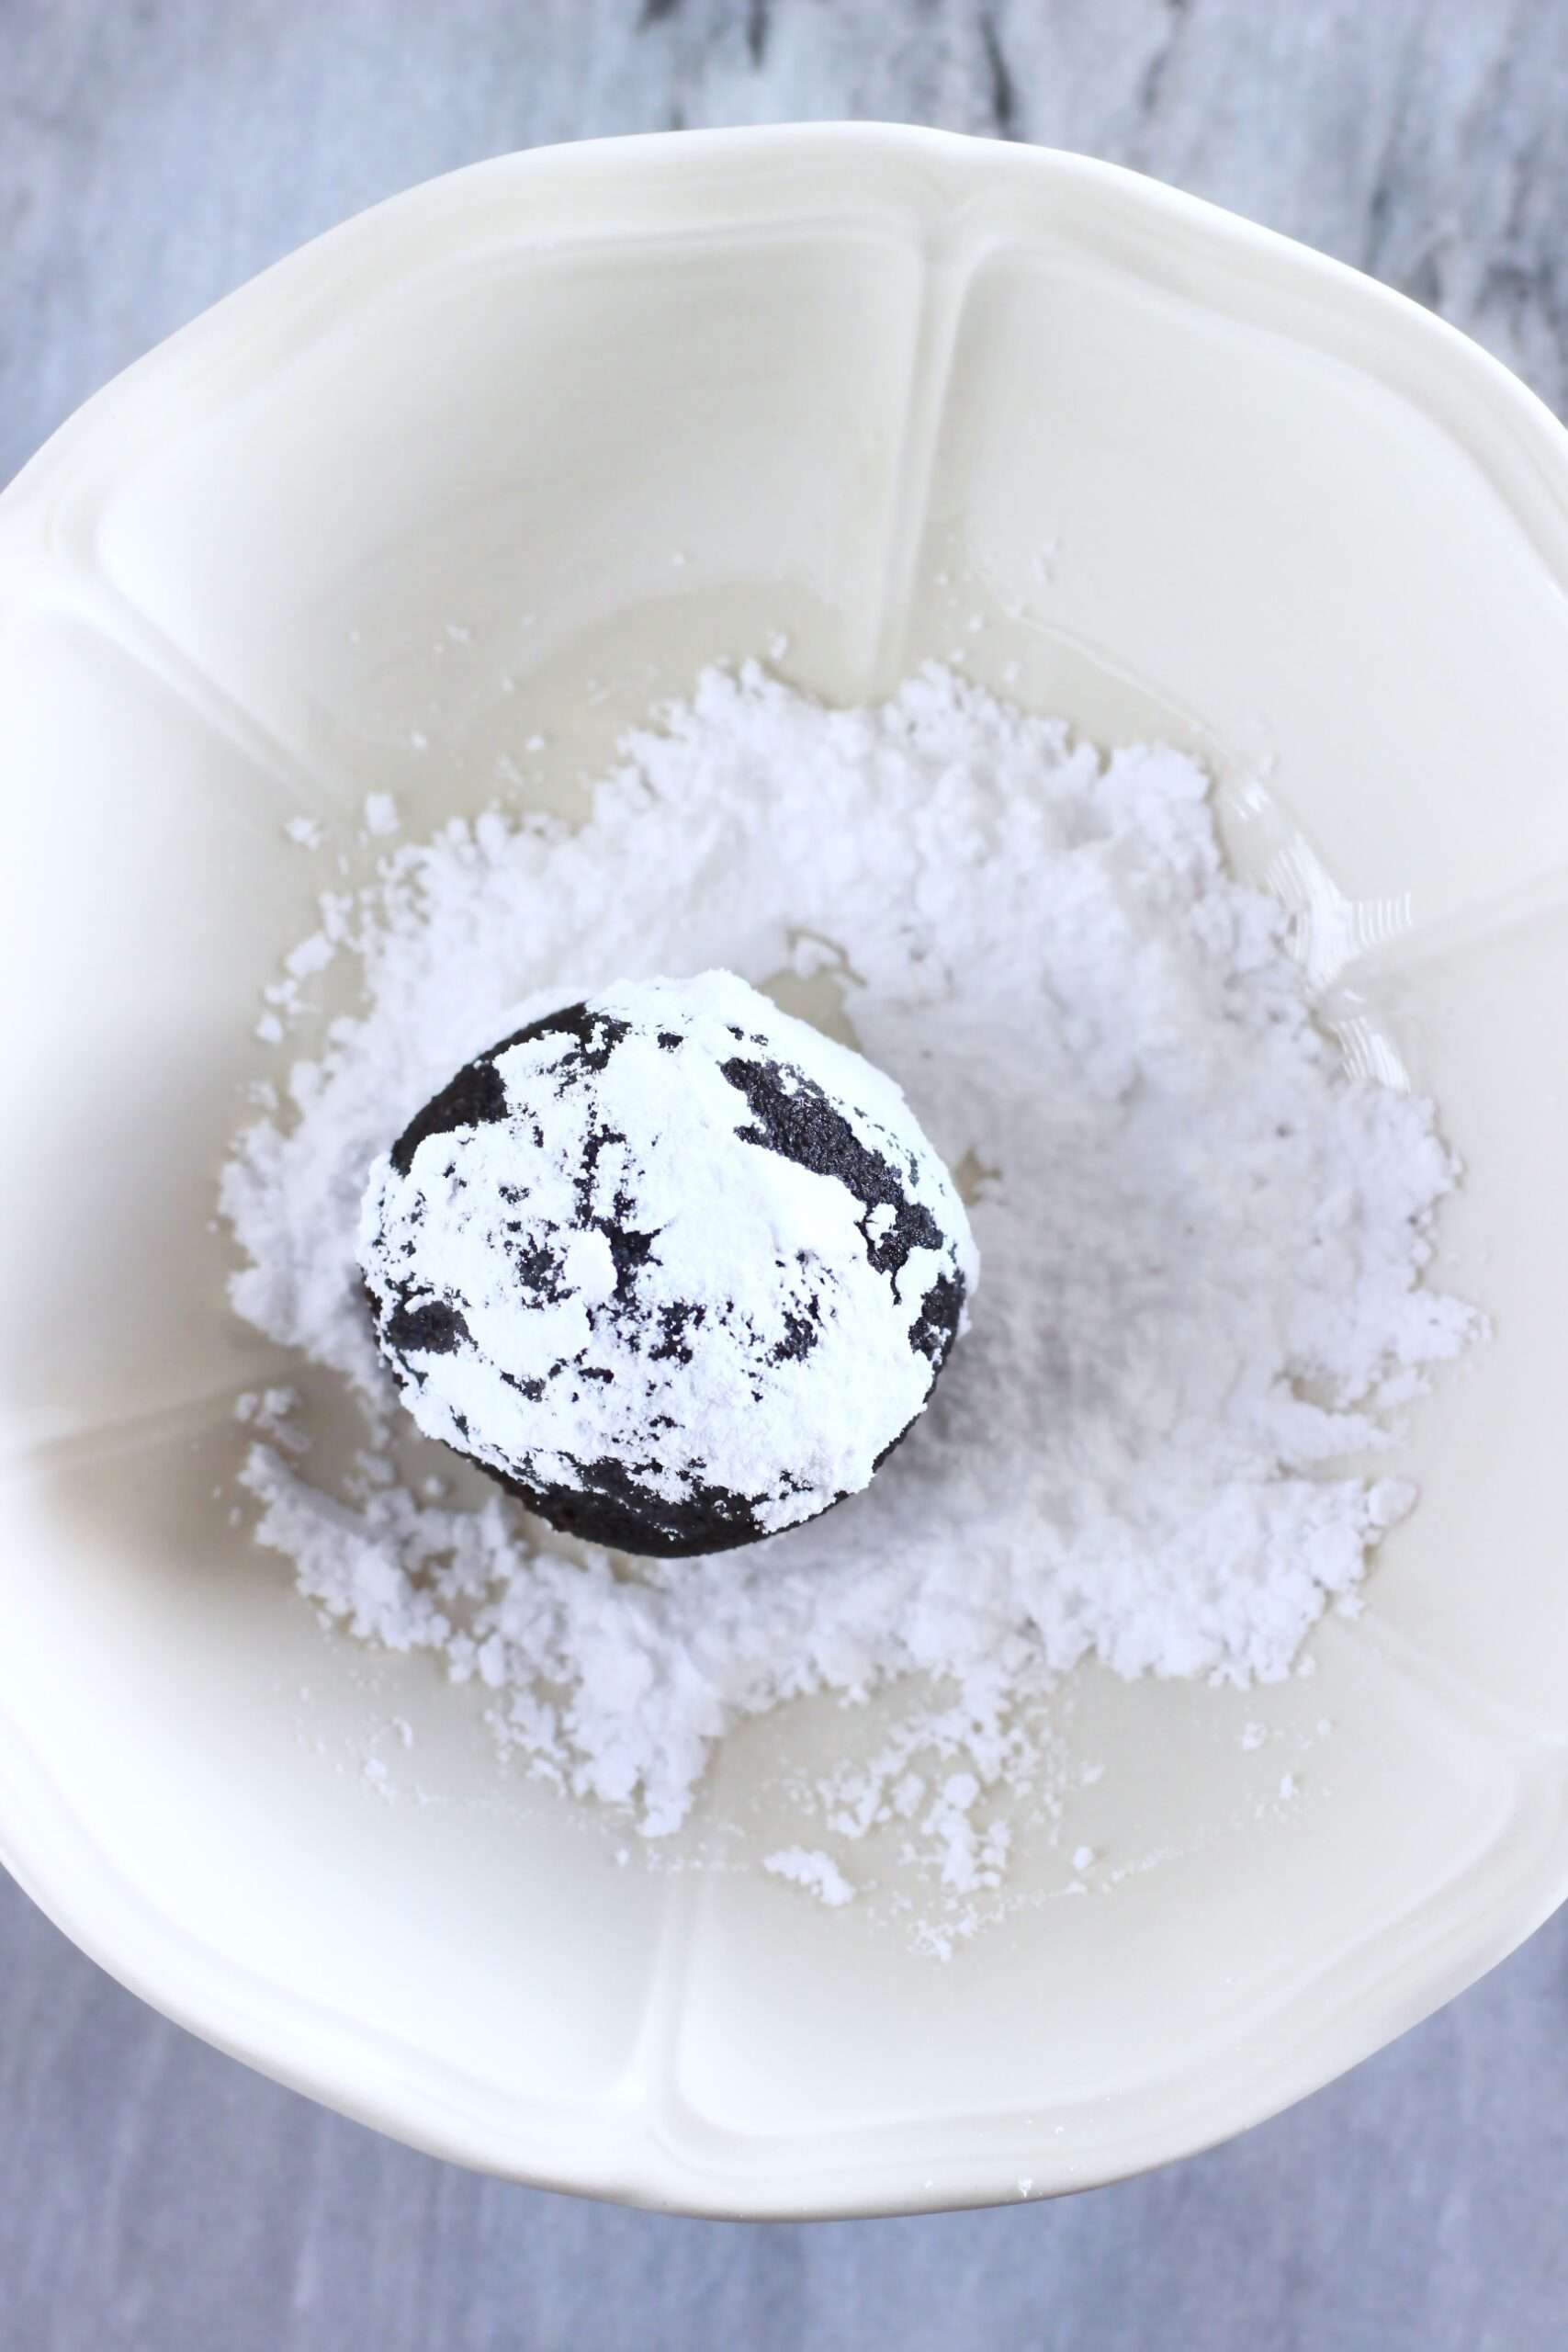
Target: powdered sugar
[(1204, 1244), (817, 1872)]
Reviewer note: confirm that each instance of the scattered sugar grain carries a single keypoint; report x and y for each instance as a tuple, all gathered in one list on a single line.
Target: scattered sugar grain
[(817, 1872)]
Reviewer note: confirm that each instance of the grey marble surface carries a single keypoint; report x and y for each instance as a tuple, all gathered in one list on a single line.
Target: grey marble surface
[(152, 153)]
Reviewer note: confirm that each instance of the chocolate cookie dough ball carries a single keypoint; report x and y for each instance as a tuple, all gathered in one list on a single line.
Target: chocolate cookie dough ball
[(676, 1268)]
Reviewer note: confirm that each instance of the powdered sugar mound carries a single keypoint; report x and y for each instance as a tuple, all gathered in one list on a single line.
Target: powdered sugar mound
[(1204, 1239)]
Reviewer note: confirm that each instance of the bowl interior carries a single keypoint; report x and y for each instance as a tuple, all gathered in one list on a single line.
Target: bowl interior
[(514, 456)]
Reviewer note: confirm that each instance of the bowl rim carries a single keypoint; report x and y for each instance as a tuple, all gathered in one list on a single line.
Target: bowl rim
[(1522, 450)]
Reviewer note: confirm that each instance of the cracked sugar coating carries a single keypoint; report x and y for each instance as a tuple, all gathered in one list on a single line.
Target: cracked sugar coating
[(676, 1268)]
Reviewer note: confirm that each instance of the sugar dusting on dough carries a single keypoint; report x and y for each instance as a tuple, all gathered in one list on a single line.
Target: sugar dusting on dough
[(677, 1265)]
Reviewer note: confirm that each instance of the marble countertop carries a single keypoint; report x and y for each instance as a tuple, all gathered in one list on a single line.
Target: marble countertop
[(153, 2195)]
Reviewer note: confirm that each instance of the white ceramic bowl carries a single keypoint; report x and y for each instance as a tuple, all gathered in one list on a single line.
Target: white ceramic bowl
[(613, 409)]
